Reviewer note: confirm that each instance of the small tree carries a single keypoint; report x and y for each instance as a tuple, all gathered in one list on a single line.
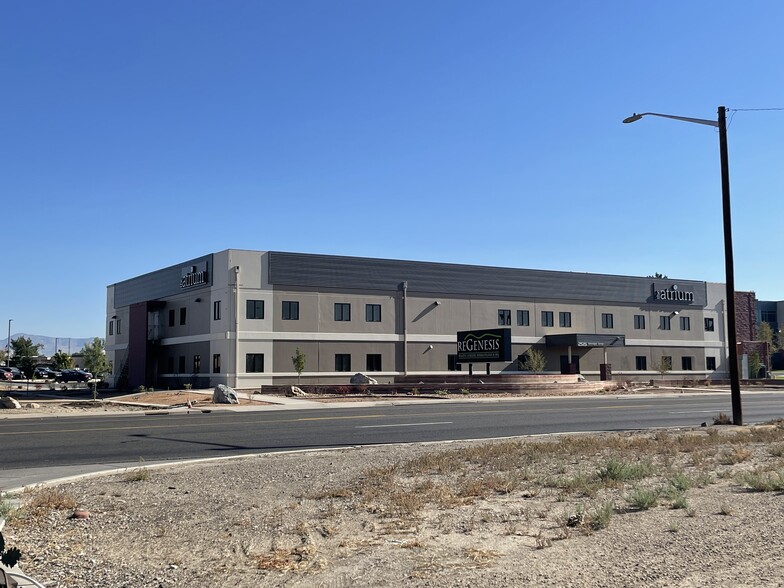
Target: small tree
[(664, 365), (298, 359), (95, 361), (24, 354), (755, 363), (535, 361), (62, 361)]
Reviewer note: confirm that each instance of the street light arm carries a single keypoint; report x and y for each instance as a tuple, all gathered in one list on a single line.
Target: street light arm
[(700, 121)]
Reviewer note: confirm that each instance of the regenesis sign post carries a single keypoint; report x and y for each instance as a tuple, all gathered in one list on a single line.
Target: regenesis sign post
[(487, 345)]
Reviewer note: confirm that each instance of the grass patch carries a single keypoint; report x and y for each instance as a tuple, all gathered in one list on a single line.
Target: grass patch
[(619, 470), (722, 419), (762, 481), (642, 498)]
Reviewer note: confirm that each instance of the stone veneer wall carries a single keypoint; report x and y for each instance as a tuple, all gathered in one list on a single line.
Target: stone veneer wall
[(746, 316)]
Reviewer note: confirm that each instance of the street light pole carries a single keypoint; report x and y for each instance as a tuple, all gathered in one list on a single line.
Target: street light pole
[(729, 266), (8, 345)]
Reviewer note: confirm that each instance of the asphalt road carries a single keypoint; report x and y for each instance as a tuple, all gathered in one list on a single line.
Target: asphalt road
[(129, 437)]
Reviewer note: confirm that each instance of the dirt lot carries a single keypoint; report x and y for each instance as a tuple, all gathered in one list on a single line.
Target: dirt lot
[(679, 508)]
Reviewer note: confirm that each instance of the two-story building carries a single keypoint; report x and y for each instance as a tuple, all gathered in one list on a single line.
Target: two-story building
[(238, 317)]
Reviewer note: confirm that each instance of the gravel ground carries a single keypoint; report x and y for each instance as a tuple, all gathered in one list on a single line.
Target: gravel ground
[(461, 514)]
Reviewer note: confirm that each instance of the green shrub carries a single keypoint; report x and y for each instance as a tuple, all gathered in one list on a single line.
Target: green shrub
[(642, 498)]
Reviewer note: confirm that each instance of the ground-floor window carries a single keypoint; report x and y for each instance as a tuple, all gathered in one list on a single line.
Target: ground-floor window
[(641, 362), (710, 363), (686, 363), (216, 363), (196, 364), (254, 362), (342, 362), (374, 362), (452, 364), (181, 365), (170, 364)]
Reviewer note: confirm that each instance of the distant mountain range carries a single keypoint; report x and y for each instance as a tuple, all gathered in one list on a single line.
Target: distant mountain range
[(69, 345)]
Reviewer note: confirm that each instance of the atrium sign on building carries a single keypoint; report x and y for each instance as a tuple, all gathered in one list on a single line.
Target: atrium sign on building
[(672, 294), (194, 275), (486, 345)]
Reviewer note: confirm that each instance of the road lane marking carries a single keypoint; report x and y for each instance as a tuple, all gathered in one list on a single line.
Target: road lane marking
[(402, 425), (695, 411)]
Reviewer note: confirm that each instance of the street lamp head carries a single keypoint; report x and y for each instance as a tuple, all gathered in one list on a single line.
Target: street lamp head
[(633, 118)]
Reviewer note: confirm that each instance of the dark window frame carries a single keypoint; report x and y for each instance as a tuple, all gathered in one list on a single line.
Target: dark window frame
[(639, 321), (183, 316), (342, 311), (685, 323), (290, 310), (216, 310), (342, 362), (373, 362), (710, 363), (216, 363), (254, 309), (687, 363), (709, 324), (665, 322), (565, 319), (254, 361), (608, 320), (372, 313), (641, 363), (548, 320), (523, 318), (504, 317)]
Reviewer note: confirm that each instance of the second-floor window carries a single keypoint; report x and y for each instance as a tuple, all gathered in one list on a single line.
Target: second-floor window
[(504, 317), (290, 310), (216, 310), (522, 318), (547, 318), (564, 319), (254, 309), (607, 320), (373, 313), (709, 325), (342, 312)]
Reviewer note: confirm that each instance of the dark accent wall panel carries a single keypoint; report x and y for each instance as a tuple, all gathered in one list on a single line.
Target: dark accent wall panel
[(158, 284), (346, 273)]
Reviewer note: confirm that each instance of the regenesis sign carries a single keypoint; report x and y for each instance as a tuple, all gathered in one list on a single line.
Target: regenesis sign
[(194, 275), (485, 345)]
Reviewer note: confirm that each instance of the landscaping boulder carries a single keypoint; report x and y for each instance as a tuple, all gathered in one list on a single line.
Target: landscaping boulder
[(360, 378), (297, 391), (224, 395), (8, 402)]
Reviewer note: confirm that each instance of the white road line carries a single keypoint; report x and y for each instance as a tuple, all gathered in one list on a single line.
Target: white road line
[(403, 425), (695, 411)]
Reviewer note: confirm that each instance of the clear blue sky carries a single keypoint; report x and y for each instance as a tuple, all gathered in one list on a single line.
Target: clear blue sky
[(136, 135)]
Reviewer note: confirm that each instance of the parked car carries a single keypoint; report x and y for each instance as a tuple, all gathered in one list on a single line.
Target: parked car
[(16, 374), (6, 374), (74, 376), (45, 373)]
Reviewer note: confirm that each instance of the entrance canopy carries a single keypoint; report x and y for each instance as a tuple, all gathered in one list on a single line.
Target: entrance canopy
[(585, 340)]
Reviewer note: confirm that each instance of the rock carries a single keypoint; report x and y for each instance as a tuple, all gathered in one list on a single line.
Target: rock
[(360, 378), (32, 405), (224, 395), (80, 513), (8, 402), (296, 391)]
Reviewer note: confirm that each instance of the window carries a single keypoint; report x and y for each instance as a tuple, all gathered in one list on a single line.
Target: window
[(564, 319), (664, 322), (641, 362), (111, 327), (709, 325), (607, 320), (196, 364), (504, 317), (639, 321), (342, 311), (216, 363), (374, 362), (254, 363), (710, 363), (119, 326), (290, 310), (254, 309), (522, 318), (373, 313), (685, 323), (171, 317), (547, 318), (451, 363), (216, 308), (170, 364), (342, 362), (686, 363), (666, 363), (181, 365), (183, 315)]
